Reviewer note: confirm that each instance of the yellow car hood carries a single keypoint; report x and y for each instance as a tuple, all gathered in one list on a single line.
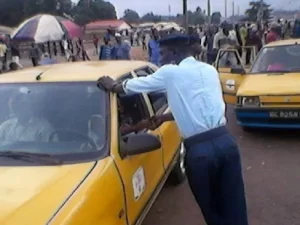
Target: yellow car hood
[(31, 195), (266, 84)]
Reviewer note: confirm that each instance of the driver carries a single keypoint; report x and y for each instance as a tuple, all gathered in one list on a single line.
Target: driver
[(274, 62), (23, 124), (126, 122)]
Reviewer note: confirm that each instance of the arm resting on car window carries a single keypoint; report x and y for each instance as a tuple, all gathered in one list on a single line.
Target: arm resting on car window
[(127, 129), (167, 117)]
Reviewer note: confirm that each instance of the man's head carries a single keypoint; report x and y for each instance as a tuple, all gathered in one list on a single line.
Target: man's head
[(274, 27), (155, 34), (225, 28), (21, 103), (106, 39), (118, 37), (175, 48)]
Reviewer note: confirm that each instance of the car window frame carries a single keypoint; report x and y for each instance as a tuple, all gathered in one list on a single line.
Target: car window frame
[(163, 108)]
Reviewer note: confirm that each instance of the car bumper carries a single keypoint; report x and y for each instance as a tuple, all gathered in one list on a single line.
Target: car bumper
[(260, 118)]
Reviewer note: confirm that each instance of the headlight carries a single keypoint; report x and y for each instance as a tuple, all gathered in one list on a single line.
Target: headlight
[(250, 101)]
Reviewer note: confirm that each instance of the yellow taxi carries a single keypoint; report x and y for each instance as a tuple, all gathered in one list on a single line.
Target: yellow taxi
[(268, 94), (63, 159)]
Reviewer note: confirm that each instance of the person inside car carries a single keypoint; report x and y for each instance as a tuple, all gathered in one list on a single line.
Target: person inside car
[(127, 125), (23, 125)]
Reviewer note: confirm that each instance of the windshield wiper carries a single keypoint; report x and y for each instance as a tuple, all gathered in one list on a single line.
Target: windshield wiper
[(29, 156)]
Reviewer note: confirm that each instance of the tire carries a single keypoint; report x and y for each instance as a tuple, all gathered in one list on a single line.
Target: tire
[(178, 174)]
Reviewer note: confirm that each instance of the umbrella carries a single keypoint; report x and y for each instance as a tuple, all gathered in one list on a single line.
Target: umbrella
[(71, 29), (44, 28)]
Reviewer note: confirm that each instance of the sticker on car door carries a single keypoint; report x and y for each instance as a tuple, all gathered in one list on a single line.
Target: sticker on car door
[(230, 85), (138, 183)]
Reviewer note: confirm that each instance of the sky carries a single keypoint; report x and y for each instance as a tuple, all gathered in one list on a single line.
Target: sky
[(161, 6)]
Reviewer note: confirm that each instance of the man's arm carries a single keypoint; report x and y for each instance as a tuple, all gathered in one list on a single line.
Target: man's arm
[(216, 41), (149, 50), (166, 117), (151, 83), (127, 129)]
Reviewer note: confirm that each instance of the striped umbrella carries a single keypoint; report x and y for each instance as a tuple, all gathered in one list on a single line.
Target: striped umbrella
[(44, 28)]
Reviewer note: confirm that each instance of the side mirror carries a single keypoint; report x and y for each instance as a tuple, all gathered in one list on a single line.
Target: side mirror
[(138, 144), (238, 70)]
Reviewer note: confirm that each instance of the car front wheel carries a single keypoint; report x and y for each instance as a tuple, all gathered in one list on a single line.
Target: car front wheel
[(178, 174)]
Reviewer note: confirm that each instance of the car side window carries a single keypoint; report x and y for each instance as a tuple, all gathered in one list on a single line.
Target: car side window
[(131, 108), (158, 100)]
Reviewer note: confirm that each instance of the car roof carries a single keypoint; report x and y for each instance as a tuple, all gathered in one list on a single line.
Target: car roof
[(283, 42), (75, 71)]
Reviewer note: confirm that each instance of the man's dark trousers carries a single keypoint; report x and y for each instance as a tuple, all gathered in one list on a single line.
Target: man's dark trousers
[(215, 177)]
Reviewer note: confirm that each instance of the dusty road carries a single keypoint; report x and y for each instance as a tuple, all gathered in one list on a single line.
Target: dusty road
[(271, 162)]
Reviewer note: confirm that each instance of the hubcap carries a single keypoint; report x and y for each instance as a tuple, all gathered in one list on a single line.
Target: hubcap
[(182, 153)]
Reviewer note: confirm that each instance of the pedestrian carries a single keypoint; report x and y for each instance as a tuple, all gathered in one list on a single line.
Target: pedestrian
[(208, 44), (194, 93), (3, 50), (144, 42), (153, 48), (105, 52), (65, 44), (239, 39), (15, 53), (34, 54), (274, 34), (96, 43), (121, 50), (253, 39)]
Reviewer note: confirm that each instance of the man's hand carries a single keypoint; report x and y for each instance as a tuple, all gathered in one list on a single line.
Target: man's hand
[(155, 122), (143, 124), (107, 83)]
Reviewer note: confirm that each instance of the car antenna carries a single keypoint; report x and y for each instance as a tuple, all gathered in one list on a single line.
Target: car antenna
[(39, 76)]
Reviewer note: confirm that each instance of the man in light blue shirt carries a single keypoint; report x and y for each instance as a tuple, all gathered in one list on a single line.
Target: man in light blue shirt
[(195, 97)]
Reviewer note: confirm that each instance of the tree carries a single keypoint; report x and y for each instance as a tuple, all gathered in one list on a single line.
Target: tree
[(87, 11), (150, 17), (197, 17), (252, 12), (216, 18), (13, 12), (131, 16)]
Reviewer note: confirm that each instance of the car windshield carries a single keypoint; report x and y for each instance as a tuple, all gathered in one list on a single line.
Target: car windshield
[(278, 59), (52, 118)]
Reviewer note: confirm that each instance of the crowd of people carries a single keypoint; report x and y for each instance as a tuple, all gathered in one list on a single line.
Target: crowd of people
[(114, 46), (39, 54)]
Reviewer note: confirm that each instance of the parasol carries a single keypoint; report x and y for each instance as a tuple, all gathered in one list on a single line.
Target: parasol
[(44, 28)]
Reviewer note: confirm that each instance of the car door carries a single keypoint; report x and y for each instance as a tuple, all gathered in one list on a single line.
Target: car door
[(170, 135), (142, 173), (230, 74)]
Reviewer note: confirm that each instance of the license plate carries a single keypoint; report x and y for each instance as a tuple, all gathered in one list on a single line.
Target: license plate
[(285, 114)]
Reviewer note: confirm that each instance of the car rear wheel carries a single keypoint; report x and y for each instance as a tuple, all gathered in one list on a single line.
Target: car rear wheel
[(178, 174)]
